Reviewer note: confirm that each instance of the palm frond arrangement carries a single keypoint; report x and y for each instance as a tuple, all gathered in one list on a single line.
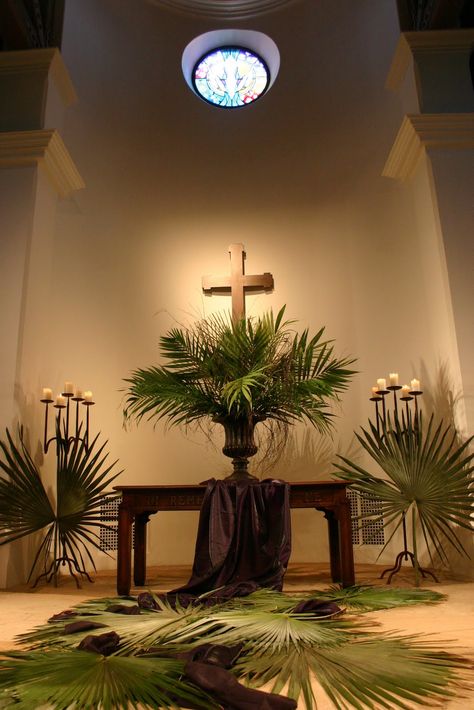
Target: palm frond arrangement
[(69, 527), (248, 369), (356, 667), (427, 480)]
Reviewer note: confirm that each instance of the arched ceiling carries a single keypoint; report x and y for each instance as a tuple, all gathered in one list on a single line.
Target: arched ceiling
[(223, 9)]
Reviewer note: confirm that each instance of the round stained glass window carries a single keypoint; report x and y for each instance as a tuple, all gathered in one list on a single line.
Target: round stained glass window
[(230, 77)]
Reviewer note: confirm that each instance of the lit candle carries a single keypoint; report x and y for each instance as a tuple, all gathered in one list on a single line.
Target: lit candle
[(78, 394), (405, 391), (88, 396), (393, 379), (60, 401), (47, 393), (415, 385), (68, 388), (374, 391), (381, 384)]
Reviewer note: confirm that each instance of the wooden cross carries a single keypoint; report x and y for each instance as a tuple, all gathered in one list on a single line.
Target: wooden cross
[(239, 282)]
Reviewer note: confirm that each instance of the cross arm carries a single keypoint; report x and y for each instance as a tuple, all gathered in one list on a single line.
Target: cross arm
[(257, 281), (209, 283)]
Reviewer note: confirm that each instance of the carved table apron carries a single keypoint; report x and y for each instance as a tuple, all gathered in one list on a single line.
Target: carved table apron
[(139, 502)]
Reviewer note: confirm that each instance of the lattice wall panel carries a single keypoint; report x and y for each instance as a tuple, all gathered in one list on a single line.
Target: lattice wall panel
[(366, 531), (373, 531), (354, 501), (109, 516)]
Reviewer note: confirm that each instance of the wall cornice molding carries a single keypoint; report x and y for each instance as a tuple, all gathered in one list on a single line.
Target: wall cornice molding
[(45, 149), (46, 61), (420, 132), (412, 44)]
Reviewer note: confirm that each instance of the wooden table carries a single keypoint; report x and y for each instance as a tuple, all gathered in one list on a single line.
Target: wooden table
[(139, 502)]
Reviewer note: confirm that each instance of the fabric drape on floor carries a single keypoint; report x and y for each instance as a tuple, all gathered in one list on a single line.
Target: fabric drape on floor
[(243, 540)]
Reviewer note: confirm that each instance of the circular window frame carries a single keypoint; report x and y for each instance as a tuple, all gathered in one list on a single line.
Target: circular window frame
[(229, 48), (257, 43)]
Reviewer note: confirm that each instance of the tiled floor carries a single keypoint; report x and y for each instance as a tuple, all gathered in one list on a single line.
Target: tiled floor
[(451, 622)]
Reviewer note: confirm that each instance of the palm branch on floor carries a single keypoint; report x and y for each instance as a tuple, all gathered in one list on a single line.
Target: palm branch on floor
[(80, 680), (68, 527), (427, 481), (357, 667)]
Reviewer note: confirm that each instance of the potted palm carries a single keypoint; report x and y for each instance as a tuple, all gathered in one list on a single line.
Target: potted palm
[(237, 374)]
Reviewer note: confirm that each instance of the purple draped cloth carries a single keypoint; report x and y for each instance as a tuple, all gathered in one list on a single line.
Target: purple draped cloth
[(243, 540)]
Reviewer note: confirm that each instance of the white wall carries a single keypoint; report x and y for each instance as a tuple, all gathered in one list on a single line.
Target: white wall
[(172, 181)]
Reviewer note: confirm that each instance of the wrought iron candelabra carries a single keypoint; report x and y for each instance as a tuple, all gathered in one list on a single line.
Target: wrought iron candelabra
[(62, 434), (68, 434), (409, 393), (380, 395)]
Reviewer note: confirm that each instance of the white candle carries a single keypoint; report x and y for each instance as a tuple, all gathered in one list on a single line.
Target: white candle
[(68, 388), (60, 401), (88, 396), (405, 391), (78, 394), (415, 385), (381, 384), (47, 393), (393, 379), (374, 391)]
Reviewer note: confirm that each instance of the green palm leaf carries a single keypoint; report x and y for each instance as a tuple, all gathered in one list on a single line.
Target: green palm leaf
[(137, 633), (84, 681), (362, 672), (24, 504), (357, 668), (426, 474), (249, 368), (82, 479), (366, 598)]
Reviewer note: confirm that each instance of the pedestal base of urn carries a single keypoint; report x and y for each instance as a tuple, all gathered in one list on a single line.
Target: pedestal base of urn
[(240, 472)]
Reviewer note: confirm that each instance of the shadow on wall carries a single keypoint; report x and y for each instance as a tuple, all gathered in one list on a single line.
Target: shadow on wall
[(441, 399), (16, 557), (306, 456), (439, 395)]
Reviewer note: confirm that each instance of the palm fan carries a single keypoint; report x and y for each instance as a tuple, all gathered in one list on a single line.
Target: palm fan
[(427, 477), (366, 598), (364, 671), (83, 680), (25, 508)]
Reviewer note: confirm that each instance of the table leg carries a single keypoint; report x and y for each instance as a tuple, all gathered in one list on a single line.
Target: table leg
[(345, 540), (139, 556), (334, 545), (124, 552)]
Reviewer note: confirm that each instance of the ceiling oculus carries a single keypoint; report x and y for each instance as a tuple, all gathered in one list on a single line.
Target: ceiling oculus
[(230, 77), (230, 68)]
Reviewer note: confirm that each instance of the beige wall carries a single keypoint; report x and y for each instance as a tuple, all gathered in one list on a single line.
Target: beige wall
[(171, 182)]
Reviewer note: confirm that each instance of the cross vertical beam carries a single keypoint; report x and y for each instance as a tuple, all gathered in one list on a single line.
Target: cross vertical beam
[(239, 283)]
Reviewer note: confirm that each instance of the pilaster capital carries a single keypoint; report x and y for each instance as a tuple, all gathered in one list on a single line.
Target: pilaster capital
[(421, 132), (46, 150), (411, 45), (47, 61)]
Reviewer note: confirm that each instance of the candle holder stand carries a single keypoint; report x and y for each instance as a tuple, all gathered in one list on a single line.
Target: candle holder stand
[(409, 420), (66, 445), (405, 554)]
